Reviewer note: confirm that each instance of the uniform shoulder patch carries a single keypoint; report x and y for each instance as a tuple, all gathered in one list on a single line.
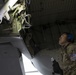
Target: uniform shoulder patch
[(73, 57)]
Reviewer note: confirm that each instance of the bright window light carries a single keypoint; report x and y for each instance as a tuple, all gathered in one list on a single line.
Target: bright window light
[(29, 68)]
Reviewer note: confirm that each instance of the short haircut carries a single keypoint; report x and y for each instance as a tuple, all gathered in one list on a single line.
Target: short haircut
[(70, 37)]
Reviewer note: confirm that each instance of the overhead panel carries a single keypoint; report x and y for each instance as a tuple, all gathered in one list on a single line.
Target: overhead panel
[(43, 10)]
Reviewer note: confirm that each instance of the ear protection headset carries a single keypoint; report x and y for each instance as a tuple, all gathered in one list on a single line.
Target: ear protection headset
[(70, 37)]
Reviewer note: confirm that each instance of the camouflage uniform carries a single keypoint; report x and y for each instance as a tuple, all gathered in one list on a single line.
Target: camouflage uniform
[(69, 59)]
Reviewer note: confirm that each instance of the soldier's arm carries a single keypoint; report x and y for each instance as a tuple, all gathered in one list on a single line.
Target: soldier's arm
[(73, 53), (71, 56)]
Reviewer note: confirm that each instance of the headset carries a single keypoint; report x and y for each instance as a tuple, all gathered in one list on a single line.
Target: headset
[(70, 37)]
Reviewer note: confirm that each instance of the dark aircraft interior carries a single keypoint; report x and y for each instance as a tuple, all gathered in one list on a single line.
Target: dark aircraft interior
[(39, 23)]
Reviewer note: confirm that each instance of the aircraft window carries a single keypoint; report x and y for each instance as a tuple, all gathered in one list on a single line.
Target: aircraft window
[(29, 68)]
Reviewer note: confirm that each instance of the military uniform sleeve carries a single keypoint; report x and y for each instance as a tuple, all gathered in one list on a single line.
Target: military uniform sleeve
[(72, 53)]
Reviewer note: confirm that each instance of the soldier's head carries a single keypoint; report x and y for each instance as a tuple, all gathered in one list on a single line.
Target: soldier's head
[(66, 38)]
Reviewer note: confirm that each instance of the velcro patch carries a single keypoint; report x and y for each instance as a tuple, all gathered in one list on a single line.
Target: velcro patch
[(73, 57)]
